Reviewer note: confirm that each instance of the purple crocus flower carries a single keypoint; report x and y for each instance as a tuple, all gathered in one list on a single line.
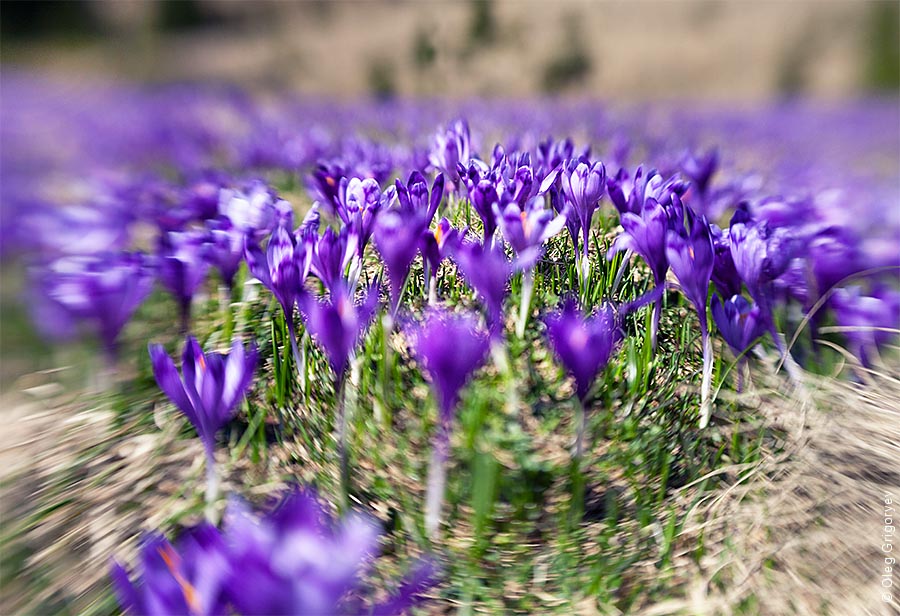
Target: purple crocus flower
[(451, 349), (251, 210), (739, 322), (451, 147), (487, 270), (414, 197), (225, 249), (398, 234), (189, 580), (484, 194), (632, 195), (582, 187), (644, 233), (183, 267), (868, 321), (435, 245), (700, 169), (551, 154), (584, 344), (207, 391), (337, 324), (762, 254), (335, 259), (526, 228), (725, 276), (103, 290), (287, 261), (324, 184), (691, 256), (359, 203), (296, 560)]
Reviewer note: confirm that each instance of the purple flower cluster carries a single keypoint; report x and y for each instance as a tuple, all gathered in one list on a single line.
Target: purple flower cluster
[(292, 560)]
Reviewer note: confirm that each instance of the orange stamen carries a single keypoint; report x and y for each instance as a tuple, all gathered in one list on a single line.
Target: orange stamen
[(170, 557)]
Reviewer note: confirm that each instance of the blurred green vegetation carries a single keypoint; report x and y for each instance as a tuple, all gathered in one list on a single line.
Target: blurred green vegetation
[(883, 61)]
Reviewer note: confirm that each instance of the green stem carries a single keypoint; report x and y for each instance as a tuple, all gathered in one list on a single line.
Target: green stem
[(212, 485), (437, 481), (227, 315), (504, 367), (340, 393), (577, 475), (706, 383), (525, 306), (387, 355)]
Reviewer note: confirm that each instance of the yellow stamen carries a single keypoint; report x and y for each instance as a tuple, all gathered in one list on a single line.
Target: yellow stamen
[(691, 252), (439, 235)]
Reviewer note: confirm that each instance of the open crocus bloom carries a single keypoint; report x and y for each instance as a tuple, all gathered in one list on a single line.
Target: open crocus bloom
[(210, 386)]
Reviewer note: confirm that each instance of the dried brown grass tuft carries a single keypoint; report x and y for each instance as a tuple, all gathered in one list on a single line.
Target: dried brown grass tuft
[(801, 533)]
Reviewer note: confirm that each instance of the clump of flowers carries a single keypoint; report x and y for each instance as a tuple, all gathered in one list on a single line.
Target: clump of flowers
[(294, 559)]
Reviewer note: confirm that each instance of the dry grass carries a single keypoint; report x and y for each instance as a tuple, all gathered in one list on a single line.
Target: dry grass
[(802, 532)]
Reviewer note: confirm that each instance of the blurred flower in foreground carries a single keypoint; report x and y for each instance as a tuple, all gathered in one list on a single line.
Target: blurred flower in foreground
[(207, 391), (189, 580), (102, 290), (584, 344), (487, 270), (451, 349), (293, 560), (868, 321)]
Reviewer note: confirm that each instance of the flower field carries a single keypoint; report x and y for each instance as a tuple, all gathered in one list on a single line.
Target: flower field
[(427, 357)]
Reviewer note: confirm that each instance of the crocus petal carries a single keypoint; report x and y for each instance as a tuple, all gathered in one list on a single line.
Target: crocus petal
[(169, 381)]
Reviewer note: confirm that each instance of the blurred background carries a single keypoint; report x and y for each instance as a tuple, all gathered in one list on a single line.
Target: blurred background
[(619, 51)]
